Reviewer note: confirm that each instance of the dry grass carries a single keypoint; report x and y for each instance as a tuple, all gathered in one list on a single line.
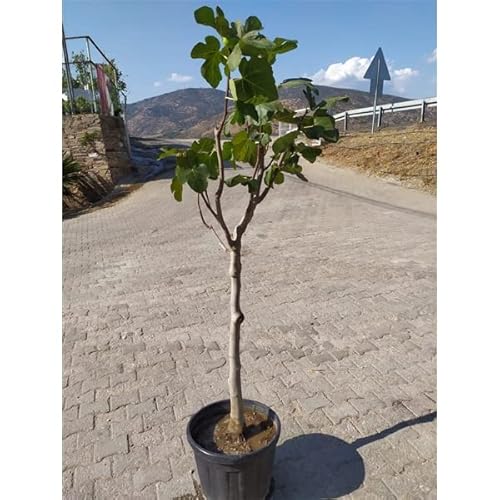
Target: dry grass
[(407, 155)]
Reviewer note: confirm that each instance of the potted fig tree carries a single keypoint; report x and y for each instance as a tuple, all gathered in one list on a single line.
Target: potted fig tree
[(234, 440)]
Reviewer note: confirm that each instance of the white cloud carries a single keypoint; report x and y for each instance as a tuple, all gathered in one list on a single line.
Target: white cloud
[(433, 57), (351, 70), (405, 73), (157, 84), (350, 74), (178, 78), (401, 76)]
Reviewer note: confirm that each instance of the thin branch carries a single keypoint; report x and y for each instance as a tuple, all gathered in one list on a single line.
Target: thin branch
[(260, 149), (245, 220), (220, 160), (218, 133), (208, 226), (256, 198), (261, 174), (205, 198), (257, 163), (262, 195), (208, 198), (253, 200), (270, 163)]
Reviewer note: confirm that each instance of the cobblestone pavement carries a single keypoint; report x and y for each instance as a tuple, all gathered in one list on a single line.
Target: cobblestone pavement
[(339, 338)]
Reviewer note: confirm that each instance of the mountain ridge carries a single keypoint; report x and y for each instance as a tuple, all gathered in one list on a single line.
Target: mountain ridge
[(194, 112)]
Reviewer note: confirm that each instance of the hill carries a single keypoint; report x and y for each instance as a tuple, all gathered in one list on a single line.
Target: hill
[(188, 113), (172, 114)]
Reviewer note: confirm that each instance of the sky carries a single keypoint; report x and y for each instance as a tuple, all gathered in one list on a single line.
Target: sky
[(151, 40)]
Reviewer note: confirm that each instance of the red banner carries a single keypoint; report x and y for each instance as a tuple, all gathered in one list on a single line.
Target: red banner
[(102, 85)]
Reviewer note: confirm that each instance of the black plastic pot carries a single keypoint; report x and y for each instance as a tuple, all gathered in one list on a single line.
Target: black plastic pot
[(232, 477)]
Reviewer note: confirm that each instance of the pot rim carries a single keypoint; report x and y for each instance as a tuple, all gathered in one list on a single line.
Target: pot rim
[(240, 456)]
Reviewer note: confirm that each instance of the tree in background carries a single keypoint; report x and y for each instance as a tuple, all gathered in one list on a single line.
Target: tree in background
[(82, 80)]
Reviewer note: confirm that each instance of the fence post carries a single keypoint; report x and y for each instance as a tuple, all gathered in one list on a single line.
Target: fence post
[(125, 126), (379, 121), (346, 117), (422, 111)]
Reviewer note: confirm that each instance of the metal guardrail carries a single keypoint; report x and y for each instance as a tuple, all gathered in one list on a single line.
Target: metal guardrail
[(381, 109), (416, 105), (88, 39)]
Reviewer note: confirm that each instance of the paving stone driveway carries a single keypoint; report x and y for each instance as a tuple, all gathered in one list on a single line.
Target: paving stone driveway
[(339, 338)]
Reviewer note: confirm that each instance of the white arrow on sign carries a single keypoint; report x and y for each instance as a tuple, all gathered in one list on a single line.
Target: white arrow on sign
[(377, 72)]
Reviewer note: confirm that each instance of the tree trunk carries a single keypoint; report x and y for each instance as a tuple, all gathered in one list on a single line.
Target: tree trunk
[(236, 415)]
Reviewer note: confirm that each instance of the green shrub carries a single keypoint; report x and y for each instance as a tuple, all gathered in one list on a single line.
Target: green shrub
[(71, 172), (89, 138)]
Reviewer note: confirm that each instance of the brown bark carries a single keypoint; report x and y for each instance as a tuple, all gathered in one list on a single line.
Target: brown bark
[(236, 415), (236, 422)]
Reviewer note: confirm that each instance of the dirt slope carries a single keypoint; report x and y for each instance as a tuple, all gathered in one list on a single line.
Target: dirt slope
[(406, 155)]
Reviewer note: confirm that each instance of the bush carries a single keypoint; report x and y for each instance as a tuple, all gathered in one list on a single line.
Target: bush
[(71, 172)]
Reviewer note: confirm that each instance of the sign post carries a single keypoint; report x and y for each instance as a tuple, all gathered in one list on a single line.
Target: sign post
[(377, 72)]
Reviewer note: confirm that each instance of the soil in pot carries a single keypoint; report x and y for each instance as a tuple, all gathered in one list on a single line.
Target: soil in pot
[(257, 433)]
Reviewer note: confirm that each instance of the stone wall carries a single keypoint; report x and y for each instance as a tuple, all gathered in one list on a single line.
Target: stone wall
[(98, 144)]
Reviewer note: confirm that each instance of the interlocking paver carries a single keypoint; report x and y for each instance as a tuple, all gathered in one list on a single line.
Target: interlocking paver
[(106, 448), (77, 425), (93, 408), (86, 438), (141, 408), (339, 298), (81, 456), (87, 473), (130, 462), (151, 474), (113, 488), (338, 412), (122, 399)]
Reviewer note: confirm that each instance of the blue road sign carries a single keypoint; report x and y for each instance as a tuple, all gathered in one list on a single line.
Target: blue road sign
[(377, 72)]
